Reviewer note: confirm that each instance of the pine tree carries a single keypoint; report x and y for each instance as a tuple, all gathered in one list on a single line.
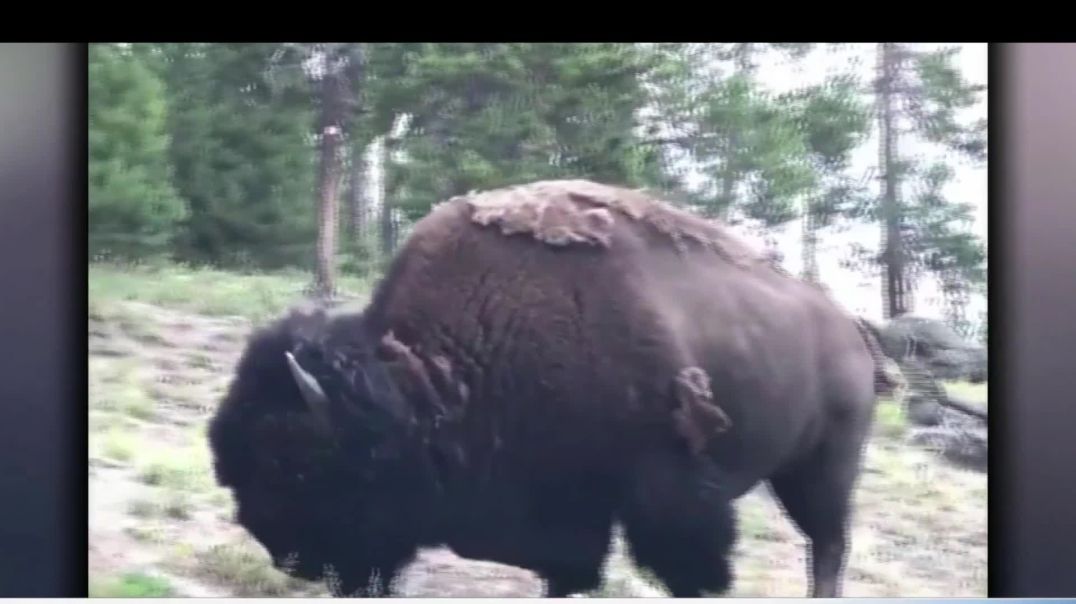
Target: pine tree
[(925, 91), (243, 155), (937, 238), (133, 206), (834, 120), (487, 115), (747, 143)]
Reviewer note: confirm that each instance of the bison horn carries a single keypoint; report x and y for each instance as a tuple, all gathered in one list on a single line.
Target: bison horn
[(309, 387)]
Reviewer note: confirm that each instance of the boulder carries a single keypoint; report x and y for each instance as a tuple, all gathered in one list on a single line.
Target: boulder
[(936, 345)]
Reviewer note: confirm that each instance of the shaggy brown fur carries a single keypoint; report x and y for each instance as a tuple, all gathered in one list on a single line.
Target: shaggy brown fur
[(539, 362)]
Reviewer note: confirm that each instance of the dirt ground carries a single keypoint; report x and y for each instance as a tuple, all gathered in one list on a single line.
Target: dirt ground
[(158, 520)]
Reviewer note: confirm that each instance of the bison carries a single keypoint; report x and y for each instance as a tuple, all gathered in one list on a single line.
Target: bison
[(539, 363)]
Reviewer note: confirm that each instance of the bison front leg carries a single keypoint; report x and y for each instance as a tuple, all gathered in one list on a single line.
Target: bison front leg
[(572, 555), (566, 582), (374, 587), (679, 525)]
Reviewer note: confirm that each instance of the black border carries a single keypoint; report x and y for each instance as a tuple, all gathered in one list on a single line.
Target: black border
[(1033, 296), (999, 573), (43, 435)]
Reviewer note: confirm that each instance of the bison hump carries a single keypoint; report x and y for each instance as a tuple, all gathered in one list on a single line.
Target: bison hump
[(553, 219), (581, 212)]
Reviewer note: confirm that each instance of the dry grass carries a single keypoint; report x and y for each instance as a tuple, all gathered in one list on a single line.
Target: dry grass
[(978, 393), (118, 445), (176, 468), (889, 420), (246, 569), (131, 585)]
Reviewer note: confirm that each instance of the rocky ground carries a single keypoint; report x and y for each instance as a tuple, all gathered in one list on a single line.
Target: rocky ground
[(160, 526)]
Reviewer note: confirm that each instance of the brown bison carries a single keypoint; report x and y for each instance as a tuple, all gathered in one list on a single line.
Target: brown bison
[(539, 363)]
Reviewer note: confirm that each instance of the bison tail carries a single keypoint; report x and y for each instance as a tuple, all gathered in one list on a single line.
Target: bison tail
[(888, 377)]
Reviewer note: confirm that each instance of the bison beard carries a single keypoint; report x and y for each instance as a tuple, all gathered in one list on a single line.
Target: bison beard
[(539, 363)]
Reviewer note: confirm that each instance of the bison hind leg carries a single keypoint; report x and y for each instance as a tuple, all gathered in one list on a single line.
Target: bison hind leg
[(679, 525), (816, 492)]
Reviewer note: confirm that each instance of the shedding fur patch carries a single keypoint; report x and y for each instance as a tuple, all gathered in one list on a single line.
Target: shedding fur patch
[(427, 378), (697, 417), (411, 375), (567, 212), (556, 220)]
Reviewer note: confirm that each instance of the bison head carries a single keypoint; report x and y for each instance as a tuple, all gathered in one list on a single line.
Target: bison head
[(314, 440)]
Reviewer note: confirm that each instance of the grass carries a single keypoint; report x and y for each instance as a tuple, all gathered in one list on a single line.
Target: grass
[(131, 585), (912, 478), (118, 445), (110, 370), (173, 473), (128, 398), (978, 393), (139, 328), (203, 290), (889, 419), (105, 419), (178, 505), (245, 569), (115, 386), (753, 523), (221, 498), (145, 534), (184, 468), (199, 360), (143, 508), (161, 473), (175, 505)]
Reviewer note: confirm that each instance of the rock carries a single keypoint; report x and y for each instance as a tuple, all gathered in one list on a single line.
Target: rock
[(923, 411), (961, 446), (936, 345)]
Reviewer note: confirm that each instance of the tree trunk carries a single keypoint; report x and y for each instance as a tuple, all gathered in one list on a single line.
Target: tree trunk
[(357, 205), (810, 244), (388, 229), (357, 201), (390, 186), (745, 59), (728, 188), (329, 175), (328, 185), (893, 292)]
